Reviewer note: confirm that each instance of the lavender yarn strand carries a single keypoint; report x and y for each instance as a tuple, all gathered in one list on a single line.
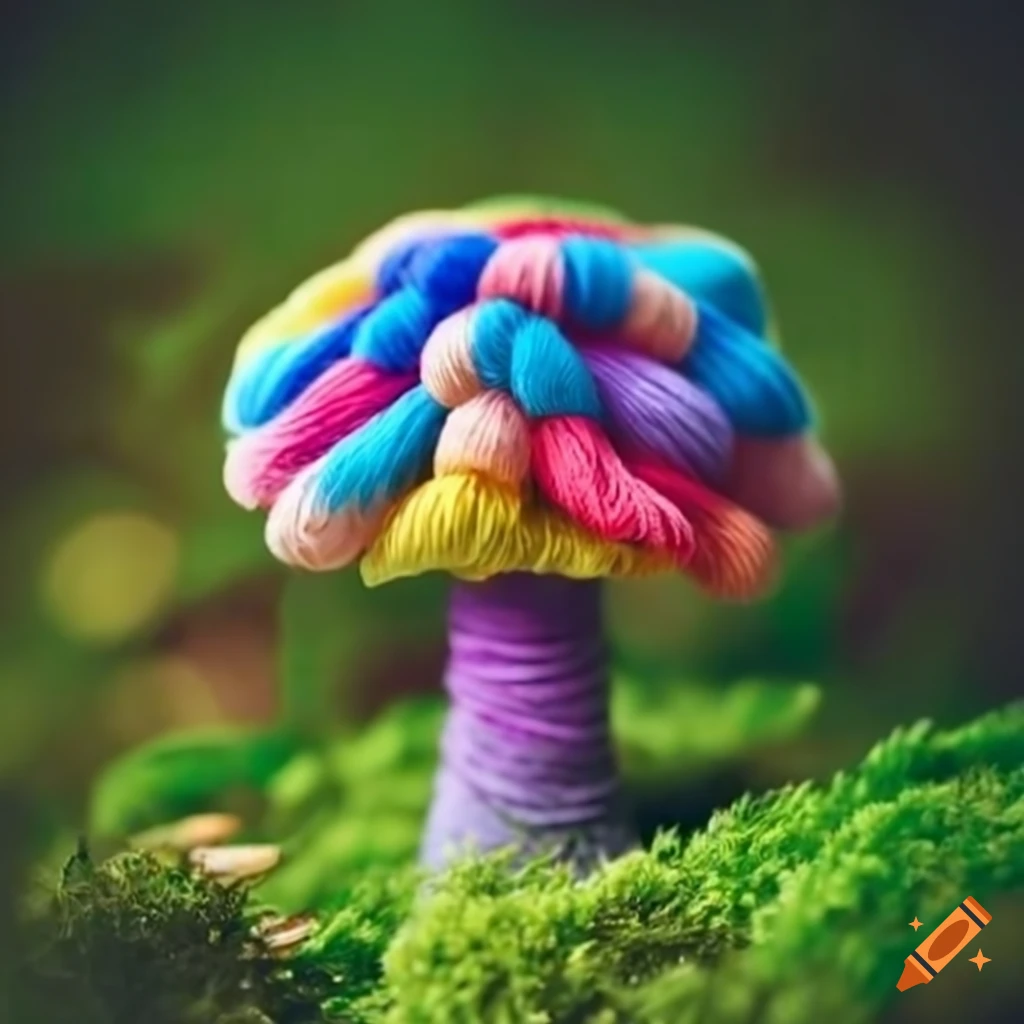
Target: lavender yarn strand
[(655, 408)]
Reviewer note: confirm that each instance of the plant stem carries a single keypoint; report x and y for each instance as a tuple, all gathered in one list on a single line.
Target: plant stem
[(527, 759)]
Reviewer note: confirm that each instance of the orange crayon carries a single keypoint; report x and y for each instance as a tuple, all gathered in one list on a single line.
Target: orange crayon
[(943, 944)]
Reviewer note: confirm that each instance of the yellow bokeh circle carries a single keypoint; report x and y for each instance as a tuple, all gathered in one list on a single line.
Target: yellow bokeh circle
[(110, 575)]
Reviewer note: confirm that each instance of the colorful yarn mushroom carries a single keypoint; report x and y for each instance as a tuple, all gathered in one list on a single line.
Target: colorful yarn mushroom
[(532, 396)]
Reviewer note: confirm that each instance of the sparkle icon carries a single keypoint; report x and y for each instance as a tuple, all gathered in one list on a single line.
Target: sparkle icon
[(981, 959), (915, 924)]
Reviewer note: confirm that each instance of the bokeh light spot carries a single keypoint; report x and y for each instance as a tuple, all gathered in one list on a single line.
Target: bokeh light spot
[(154, 695), (110, 575)]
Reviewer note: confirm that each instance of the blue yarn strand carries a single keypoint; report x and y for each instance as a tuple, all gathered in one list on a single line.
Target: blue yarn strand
[(598, 282), (447, 271), (393, 273), (272, 380), (385, 457), (240, 407), (548, 376), (393, 333), (753, 384), (528, 356), (495, 326), (711, 275)]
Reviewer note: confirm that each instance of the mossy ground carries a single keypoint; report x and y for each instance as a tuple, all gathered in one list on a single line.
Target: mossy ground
[(788, 907)]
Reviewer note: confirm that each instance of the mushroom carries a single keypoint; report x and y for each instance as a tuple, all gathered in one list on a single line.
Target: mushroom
[(532, 396)]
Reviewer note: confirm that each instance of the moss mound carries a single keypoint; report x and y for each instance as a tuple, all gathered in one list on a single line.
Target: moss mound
[(788, 907)]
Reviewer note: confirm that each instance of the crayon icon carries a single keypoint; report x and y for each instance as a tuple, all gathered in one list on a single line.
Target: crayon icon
[(943, 944)]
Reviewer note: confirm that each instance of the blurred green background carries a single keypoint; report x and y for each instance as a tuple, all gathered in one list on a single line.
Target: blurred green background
[(169, 171)]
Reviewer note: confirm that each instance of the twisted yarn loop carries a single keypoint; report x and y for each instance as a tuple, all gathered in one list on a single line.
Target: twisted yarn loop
[(487, 435), (734, 554), (525, 385), (577, 468), (261, 463)]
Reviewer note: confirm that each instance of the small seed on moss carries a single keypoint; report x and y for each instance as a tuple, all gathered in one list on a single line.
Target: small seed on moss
[(189, 833), (233, 863), (281, 935)]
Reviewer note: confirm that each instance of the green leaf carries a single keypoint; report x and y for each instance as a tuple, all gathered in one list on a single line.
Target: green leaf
[(184, 773)]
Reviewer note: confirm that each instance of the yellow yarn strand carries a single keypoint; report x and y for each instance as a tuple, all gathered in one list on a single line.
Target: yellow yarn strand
[(474, 528)]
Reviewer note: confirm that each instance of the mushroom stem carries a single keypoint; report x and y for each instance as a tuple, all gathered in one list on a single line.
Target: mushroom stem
[(527, 759)]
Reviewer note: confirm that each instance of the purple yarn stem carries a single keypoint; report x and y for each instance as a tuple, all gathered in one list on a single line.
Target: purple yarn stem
[(526, 755)]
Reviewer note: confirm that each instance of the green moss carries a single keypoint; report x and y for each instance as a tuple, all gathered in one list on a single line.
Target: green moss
[(721, 722), (342, 965), (831, 943), (133, 939), (789, 907), (810, 878)]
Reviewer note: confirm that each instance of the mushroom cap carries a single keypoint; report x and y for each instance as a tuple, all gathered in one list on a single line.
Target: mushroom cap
[(526, 385)]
